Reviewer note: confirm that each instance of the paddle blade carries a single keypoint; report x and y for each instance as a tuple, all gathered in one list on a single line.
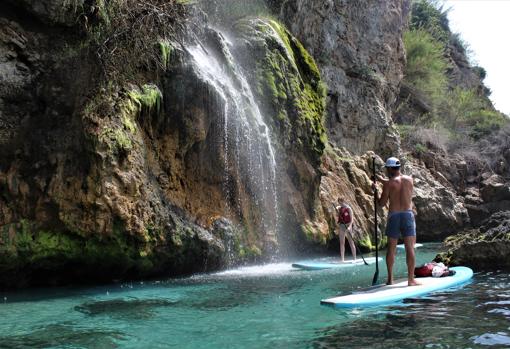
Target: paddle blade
[(376, 276)]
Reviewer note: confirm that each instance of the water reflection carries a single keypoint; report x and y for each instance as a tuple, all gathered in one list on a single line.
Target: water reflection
[(442, 320)]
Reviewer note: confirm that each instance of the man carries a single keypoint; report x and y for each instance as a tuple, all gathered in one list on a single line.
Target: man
[(398, 190), (345, 222)]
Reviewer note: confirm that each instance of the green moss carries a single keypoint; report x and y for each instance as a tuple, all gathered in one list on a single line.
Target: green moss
[(289, 79), (166, 52), (128, 124), (247, 253), (149, 98), (365, 243), (117, 140), (253, 251), (47, 249), (313, 235)]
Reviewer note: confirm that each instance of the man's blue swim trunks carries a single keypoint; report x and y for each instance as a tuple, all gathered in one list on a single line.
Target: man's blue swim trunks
[(401, 222)]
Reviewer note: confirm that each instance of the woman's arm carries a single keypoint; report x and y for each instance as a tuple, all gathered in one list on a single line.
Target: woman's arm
[(352, 217)]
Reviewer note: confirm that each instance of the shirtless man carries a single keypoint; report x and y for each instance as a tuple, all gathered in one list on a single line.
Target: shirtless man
[(398, 190)]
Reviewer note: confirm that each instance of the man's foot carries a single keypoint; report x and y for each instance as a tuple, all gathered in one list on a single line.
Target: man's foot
[(389, 282), (413, 283)]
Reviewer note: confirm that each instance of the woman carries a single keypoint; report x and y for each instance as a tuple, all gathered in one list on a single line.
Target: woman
[(345, 223)]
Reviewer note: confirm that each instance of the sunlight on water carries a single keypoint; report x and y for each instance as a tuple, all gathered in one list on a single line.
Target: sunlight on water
[(265, 269), (267, 306)]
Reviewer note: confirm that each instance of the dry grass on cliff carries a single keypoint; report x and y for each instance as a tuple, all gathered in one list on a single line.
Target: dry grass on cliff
[(488, 154), (130, 35)]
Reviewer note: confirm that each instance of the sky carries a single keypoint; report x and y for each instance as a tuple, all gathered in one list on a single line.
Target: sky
[(485, 26)]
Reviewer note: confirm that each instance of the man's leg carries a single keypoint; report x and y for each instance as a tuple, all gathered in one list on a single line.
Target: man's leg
[(390, 258), (341, 237), (409, 242), (351, 244)]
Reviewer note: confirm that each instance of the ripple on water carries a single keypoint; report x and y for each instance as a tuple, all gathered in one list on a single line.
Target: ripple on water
[(63, 335), (269, 309), (440, 320), (493, 339), (124, 308)]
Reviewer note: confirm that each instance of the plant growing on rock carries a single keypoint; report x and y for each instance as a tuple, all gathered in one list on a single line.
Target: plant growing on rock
[(426, 65), (127, 35), (289, 85)]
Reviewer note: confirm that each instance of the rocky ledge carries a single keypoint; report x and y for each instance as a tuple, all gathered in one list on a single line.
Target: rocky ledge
[(485, 248)]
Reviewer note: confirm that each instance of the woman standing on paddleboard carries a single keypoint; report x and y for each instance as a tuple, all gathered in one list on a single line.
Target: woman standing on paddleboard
[(345, 222)]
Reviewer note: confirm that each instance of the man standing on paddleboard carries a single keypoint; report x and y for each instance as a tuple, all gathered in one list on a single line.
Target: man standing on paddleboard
[(398, 190)]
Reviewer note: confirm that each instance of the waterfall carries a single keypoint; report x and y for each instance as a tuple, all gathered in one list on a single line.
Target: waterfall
[(249, 156)]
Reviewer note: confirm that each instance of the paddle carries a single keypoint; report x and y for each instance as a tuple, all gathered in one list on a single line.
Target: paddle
[(376, 275), (355, 245)]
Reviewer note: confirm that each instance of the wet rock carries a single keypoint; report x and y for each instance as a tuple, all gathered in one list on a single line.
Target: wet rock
[(61, 12), (131, 181), (440, 211), (485, 248)]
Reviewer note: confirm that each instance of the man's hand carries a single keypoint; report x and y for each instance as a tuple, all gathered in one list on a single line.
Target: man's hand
[(378, 178), (382, 179)]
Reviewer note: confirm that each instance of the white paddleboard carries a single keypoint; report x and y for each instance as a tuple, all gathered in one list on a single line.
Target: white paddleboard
[(403, 247), (329, 264), (384, 294)]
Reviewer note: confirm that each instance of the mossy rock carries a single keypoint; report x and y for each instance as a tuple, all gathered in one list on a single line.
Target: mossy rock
[(149, 97), (289, 85), (31, 255)]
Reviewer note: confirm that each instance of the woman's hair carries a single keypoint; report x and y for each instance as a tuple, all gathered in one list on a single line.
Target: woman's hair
[(340, 200)]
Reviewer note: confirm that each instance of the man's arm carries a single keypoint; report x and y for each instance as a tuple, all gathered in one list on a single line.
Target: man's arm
[(383, 200)]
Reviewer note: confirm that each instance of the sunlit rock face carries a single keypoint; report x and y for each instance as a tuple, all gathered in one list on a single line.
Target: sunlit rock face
[(359, 50)]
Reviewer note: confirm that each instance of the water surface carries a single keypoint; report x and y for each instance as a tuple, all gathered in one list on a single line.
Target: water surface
[(271, 306)]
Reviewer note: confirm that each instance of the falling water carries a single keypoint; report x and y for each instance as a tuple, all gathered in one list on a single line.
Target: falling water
[(249, 155)]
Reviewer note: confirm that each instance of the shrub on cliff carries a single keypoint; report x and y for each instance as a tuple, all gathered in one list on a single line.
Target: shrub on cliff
[(426, 65), (127, 35), (431, 99), (429, 15)]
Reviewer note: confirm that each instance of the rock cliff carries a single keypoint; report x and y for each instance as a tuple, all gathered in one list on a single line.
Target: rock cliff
[(358, 47), (485, 248), (209, 157), (207, 136)]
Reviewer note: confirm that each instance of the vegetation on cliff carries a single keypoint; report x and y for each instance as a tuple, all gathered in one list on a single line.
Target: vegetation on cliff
[(129, 151), (443, 92), (289, 85)]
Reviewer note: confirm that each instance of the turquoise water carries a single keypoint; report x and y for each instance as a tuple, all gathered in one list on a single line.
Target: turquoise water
[(268, 306)]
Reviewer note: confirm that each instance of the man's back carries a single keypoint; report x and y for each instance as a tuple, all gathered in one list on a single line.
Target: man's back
[(400, 193)]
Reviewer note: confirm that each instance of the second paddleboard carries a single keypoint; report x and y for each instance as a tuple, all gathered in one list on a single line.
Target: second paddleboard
[(329, 264)]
